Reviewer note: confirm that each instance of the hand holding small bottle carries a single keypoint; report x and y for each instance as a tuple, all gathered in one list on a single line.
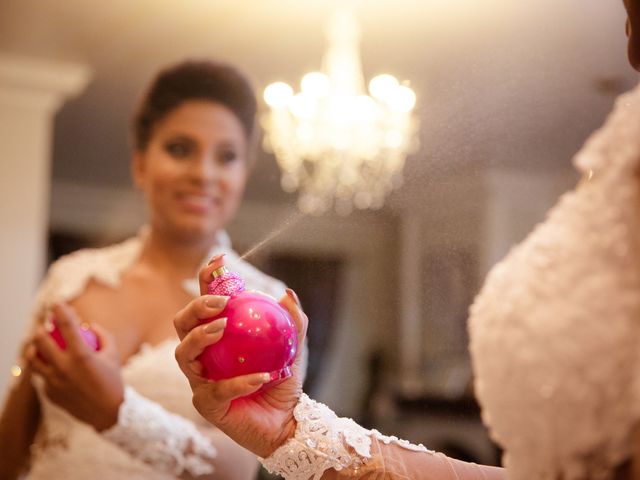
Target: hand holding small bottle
[(85, 382)]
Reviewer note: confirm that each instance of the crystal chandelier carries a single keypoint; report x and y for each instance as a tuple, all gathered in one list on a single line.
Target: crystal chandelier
[(336, 145)]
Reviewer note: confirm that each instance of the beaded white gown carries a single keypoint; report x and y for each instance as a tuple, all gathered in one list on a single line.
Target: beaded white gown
[(555, 332), (159, 433)]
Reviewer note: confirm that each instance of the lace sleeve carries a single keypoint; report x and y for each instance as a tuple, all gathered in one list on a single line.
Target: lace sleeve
[(326, 446), (159, 438)]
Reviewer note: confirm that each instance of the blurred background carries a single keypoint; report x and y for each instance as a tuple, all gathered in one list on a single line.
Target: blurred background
[(506, 93)]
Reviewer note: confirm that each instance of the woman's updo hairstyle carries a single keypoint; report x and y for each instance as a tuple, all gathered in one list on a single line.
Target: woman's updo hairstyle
[(194, 80)]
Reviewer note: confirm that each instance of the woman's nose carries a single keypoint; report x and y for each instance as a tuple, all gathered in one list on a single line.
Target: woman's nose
[(205, 169)]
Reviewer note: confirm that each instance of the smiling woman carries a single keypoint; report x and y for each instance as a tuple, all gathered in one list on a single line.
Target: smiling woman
[(193, 169), (95, 419)]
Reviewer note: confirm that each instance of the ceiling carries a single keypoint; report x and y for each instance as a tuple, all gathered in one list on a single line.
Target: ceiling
[(501, 83)]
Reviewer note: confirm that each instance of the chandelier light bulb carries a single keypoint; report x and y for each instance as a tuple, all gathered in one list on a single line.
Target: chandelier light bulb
[(403, 100), (383, 87), (366, 108), (278, 95), (316, 84), (341, 110), (303, 106)]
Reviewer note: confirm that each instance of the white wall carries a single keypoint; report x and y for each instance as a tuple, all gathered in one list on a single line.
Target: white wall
[(516, 202), (30, 93)]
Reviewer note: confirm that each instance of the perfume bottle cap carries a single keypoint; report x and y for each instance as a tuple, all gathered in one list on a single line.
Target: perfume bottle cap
[(219, 267), (224, 282)]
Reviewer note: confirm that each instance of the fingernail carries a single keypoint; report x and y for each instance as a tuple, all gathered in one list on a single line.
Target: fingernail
[(294, 297), (49, 322), (216, 325), (215, 301), (216, 257), (260, 379)]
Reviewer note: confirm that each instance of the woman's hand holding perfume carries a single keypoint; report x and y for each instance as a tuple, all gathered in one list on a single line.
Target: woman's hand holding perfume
[(260, 420), (80, 368)]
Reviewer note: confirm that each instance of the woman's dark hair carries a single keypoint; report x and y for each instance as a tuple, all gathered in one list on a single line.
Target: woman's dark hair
[(194, 80)]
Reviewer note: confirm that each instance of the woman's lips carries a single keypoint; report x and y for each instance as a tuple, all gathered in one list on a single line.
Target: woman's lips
[(198, 203)]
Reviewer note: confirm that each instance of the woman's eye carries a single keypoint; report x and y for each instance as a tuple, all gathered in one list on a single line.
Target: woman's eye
[(178, 150), (228, 156)]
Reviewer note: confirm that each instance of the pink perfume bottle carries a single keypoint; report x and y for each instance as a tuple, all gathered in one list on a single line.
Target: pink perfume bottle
[(260, 335), (88, 335)]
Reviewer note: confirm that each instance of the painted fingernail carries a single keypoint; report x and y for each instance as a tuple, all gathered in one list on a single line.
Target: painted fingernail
[(260, 379), (294, 297), (215, 301), (216, 325), (216, 259)]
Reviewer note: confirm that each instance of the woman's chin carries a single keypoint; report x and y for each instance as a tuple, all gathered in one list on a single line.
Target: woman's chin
[(197, 229)]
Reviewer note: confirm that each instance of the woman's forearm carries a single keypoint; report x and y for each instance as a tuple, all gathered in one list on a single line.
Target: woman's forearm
[(18, 425), (329, 447), (391, 462)]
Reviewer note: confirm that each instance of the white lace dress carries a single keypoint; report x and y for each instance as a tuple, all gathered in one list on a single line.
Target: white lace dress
[(159, 434), (555, 332)]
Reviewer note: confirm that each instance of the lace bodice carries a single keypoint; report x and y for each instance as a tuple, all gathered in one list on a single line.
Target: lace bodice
[(158, 397), (555, 332)]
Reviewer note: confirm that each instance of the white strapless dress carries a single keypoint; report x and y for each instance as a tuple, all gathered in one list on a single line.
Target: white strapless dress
[(164, 436), (555, 331)]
